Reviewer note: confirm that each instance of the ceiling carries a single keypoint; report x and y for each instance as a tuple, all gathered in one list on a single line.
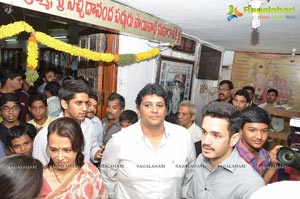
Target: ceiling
[(207, 21)]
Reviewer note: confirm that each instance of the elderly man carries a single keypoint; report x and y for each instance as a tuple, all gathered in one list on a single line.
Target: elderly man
[(186, 117)]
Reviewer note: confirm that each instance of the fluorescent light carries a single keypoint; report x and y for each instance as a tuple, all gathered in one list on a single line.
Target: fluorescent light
[(11, 40), (60, 37)]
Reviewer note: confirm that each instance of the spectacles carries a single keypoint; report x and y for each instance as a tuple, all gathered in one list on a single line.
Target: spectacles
[(7, 109)]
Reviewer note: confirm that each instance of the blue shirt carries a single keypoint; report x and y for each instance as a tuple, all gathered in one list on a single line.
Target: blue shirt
[(2, 154)]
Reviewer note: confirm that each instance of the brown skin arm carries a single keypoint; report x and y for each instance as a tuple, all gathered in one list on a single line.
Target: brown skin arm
[(274, 165), (99, 153)]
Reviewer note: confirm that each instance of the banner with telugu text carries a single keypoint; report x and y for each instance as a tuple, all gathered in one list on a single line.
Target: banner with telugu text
[(107, 14)]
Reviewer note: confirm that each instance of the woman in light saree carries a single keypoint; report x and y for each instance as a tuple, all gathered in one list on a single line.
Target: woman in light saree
[(67, 175)]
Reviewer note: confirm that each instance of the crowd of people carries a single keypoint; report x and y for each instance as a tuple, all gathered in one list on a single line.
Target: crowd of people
[(53, 145)]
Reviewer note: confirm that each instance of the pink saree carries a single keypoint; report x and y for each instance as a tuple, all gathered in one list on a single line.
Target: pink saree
[(86, 183)]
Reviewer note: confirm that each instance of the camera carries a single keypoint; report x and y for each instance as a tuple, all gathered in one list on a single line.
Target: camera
[(289, 157)]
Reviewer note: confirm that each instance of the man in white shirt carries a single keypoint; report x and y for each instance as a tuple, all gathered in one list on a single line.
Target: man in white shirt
[(186, 117), (187, 114), (152, 158), (74, 98), (278, 190)]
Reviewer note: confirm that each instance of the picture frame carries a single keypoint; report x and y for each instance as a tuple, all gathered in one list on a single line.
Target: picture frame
[(176, 76)]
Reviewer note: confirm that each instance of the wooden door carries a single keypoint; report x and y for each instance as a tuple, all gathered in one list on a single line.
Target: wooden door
[(101, 76), (107, 75)]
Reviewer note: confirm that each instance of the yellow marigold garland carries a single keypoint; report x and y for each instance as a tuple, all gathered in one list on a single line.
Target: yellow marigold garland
[(73, 50), (14, 29), (146, 55), (32, 57), (32, 60)]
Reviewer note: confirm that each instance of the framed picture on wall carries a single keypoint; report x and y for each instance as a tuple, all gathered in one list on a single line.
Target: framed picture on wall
[(176, 76)]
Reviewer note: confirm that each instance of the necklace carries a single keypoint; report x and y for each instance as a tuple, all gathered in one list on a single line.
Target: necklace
[(56, 176)]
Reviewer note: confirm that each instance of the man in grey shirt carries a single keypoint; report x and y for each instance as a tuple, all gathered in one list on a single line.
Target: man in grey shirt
[(115, 105), (219, 172)]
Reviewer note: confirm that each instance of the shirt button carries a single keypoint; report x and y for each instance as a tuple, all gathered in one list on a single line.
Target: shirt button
[(205, 189)]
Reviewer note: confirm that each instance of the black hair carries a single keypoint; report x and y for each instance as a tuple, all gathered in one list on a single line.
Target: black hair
[(53, 88), (151, 89), (9, 97), (228, 82), (47, 70), (93, 96), (128, 115), (82, 79), (244, 93), (273, 90), (21, 176), (224, 110), (114, 96), (8, 73), (249, 88), (17, 131), (70, 88), (38, 97), (68, 127), (254, 114)]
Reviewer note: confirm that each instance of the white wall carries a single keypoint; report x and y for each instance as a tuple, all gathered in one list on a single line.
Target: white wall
[(227, 60), (132, 78)]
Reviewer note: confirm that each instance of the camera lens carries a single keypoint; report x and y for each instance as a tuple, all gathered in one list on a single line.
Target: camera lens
[(288, 157), (285, 155)]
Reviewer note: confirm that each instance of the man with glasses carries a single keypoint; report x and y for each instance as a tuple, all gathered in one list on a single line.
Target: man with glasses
[(11, 81), (225, 91), (10, 107)]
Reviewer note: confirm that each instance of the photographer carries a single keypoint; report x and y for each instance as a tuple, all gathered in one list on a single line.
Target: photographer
[(291, 172), (254, 131)]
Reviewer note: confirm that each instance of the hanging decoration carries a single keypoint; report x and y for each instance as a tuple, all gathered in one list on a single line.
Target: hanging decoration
[(35, 37)]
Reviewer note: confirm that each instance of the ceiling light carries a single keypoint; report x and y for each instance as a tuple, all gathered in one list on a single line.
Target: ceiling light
[(60, 37), (256, 4), (292, 59), (11, 39)]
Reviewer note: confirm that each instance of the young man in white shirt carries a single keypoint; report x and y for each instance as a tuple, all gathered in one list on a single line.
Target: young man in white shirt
[(74, 98)]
